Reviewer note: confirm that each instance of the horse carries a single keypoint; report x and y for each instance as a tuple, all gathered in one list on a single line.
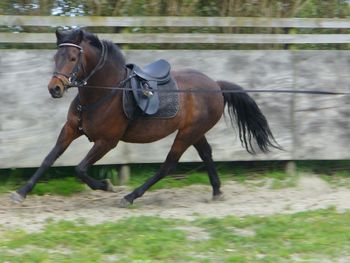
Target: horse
[(84, 61)]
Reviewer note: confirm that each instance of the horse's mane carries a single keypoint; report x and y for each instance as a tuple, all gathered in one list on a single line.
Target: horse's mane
[(114, 52)]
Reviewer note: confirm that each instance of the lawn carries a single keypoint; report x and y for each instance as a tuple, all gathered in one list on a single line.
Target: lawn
[(310, 236), (317, 236)]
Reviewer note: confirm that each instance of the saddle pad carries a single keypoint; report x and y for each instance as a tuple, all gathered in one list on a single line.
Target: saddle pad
[(169, 103)]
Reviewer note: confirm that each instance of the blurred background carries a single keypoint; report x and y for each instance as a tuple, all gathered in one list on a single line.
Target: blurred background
[(237, 8)]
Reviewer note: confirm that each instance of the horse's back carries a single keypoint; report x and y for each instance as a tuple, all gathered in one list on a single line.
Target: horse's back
[(198, 111), (204, 101)]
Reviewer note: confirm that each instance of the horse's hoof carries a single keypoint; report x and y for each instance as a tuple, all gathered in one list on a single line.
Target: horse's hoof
[(16, 198), (110, 187), (124, 203), (219, 197)]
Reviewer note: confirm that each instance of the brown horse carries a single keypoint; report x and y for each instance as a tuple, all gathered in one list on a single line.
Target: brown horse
[(83, 61)]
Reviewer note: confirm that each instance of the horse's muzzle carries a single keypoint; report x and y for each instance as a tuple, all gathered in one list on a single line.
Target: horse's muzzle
[(56, 87), (56, 92)]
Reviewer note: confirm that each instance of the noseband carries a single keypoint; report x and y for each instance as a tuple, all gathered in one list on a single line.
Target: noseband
[(71, 80)]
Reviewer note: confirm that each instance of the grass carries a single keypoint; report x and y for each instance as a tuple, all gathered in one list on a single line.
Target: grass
[(257, 175), (317, 236), (65, 186), (303, 237), (61, 180), (280, 179), (56, 185)]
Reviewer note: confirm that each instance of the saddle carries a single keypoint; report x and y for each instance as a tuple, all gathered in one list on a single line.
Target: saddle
[(145, 83)]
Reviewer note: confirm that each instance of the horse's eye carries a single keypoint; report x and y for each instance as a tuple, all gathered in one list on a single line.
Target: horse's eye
[(73, 59)]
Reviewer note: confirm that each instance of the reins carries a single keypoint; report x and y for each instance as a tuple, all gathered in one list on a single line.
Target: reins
[(121, 86), (99, 64), (71, 81)]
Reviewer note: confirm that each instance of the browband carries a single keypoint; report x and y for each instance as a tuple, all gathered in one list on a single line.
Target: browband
[(70, 45)]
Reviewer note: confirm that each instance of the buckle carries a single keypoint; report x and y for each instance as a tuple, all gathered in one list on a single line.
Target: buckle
[(147, 90), (79, 108), (147, 93)]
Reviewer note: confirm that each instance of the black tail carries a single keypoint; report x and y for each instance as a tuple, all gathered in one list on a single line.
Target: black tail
[(251, 121)]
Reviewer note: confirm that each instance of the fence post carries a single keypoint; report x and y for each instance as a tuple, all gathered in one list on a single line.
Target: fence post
[(124, 174)]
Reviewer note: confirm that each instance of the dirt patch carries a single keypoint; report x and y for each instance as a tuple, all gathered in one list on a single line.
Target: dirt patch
[(187, 203), (194, 233)]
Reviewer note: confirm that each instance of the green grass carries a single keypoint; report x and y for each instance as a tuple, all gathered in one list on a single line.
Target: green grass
[(189, 174), (280, 179), (172, 181), (324, 166), (303, 237), (61, 180), (56, 185), (65, 186)]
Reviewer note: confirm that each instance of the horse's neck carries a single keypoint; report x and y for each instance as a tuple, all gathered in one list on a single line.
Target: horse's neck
[(108, 76)]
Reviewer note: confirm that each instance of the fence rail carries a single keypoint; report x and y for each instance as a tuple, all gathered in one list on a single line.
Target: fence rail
[(171, 21), (158, 38), (224, 38)]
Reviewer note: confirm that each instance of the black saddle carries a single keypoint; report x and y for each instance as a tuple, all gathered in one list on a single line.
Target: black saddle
[(158, 70), (146, 81)]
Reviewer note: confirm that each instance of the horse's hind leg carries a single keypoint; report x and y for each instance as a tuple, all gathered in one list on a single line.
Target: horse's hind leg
[(179, 146), (204, 150), (99, 149)]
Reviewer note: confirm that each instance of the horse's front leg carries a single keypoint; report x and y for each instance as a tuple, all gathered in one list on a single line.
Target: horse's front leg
[(100, 148), (67, 135)]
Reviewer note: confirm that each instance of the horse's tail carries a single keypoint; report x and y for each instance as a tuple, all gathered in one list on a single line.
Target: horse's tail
[(250, 120)]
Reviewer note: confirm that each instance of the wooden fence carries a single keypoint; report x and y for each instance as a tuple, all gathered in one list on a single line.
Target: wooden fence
[(225, 22), (307, 126)]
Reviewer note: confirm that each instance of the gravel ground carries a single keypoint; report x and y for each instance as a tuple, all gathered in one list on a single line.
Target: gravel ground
[(188, 203)]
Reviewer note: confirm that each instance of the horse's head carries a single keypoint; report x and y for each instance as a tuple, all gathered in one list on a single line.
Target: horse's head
[(69, 61)]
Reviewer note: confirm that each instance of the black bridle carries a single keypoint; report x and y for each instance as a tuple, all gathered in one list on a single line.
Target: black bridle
[(72, 80)]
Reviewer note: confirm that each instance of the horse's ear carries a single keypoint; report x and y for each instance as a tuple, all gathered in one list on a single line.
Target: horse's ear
[(58, 34), (79, 36)]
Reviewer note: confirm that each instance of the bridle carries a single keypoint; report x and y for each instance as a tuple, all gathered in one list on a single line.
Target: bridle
[(72, 80)]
